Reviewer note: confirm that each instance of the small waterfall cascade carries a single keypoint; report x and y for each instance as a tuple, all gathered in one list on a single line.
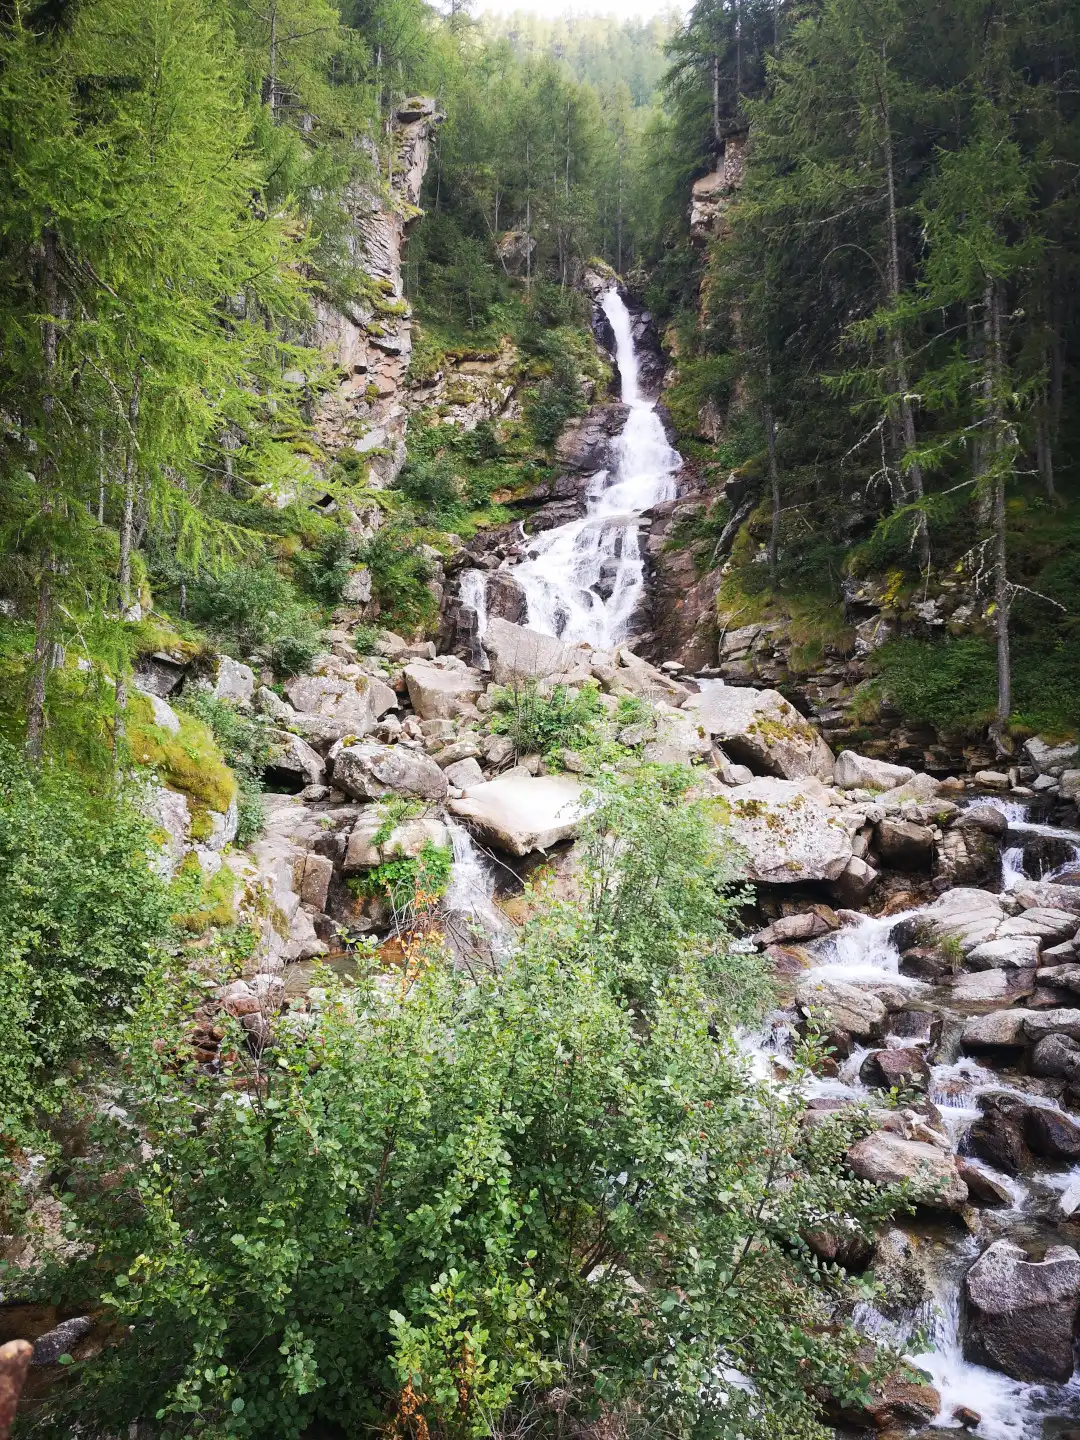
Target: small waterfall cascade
[(473, 592), (584, 581), (1021, 830), (475, 926)]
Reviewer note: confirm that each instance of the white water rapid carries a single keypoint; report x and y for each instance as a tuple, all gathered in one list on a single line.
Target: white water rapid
[(584, 581), (475, 926)]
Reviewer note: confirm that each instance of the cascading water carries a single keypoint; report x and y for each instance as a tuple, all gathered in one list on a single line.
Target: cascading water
[(475, 926), (473, 594), (1013, 872), (584, 581)]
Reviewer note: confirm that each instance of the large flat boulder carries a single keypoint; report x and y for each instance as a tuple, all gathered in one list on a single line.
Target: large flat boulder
[(889, 1159), (435, 691), (523, 813), (518, 654), (761, 729), (859, 772), (1021, 1314), (370, 771), (789, 837)]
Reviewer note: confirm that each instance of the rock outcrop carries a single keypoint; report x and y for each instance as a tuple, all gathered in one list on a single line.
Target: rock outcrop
[(1022, 1313), (370, 341)]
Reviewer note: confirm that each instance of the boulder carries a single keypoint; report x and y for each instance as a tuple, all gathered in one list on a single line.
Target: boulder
[(315, 877), (628, 674), (984, 817), (370, 771), (761, 729), (1051, 1134), (435, 691), (1019, 952), (351, 706), (234, 681), (1056, 1056), (858, 1012), (464, 774), (1044, 854), (982, 1187), (294, 757), (967, 915), (987, 987), (1050, 759), (1022, 1313), (405, 842), (518, 655), (788, 836), (855, 882), (1046, 924), (520, 814), (807, 926), (968, 855), (998, 1136), (1037, 1025), (1001, 1030), (903, 845), (165, 717), (889, 1159), (858, 772), (902, 1069), (678, 738)]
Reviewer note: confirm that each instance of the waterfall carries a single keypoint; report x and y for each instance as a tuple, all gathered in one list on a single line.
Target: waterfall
[(584, 581), (475, 926), (473, 592)]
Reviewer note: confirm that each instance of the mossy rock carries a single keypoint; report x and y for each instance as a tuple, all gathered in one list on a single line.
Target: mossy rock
[(189, 761)]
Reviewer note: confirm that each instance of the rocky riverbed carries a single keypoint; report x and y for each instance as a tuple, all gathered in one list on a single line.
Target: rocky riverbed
[(926, 925)]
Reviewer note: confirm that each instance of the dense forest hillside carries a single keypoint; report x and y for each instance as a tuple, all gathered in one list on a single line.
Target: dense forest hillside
[(539, 720)]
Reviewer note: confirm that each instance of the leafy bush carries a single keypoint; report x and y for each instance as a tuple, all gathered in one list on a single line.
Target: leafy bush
[(323, 570), (951, 684), (540, 724), (556, 399), (245, 743), (401, 880), (399, 578), (83, 914), (253, 611), (431, 485), (487, 1208)]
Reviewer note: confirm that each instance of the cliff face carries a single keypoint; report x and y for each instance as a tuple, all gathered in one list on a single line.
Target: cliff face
[(370, 340)]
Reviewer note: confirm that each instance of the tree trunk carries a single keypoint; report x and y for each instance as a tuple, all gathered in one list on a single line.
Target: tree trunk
[(717, 134), (1002, 589), (42, 660), (774, 482), (914, 487), (131, 466)]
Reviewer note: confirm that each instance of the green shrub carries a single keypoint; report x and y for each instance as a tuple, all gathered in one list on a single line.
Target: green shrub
[(254, 612), (245, 743), (431, 484), (540, 724), (323, 570), (83, 916), (399, 578), (951, 685), (464, 1209), (401, 880)]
